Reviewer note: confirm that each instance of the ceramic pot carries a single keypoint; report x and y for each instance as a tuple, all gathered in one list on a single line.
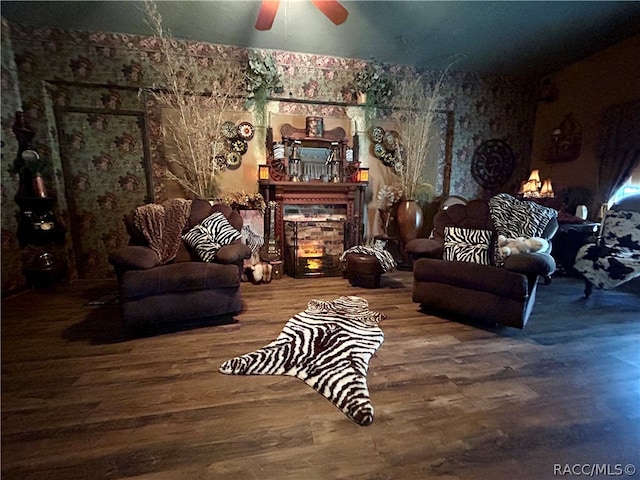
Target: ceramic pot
[(361, 98), (409, 218)]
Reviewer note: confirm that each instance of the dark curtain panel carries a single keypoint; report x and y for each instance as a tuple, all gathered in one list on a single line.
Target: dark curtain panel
[(618, 147)]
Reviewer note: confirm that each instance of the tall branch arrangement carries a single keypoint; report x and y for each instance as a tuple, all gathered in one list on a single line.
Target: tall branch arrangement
[(195, 102), (417, 102)]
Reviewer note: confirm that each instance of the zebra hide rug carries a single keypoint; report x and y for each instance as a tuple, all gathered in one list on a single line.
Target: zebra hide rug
[(328, 346)]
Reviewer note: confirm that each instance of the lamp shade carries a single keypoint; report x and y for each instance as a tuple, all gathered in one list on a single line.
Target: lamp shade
[(523, 185), (547, 189), (535, 176), (263, 172)]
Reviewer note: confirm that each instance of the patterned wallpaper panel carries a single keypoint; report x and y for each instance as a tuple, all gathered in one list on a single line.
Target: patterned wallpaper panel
[(85, 124)]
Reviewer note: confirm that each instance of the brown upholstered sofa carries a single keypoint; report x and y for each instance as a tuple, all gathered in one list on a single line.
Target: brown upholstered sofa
[(186, 288), (471, 291)]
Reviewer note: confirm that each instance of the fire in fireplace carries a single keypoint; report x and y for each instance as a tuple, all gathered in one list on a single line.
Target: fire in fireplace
[(313, 248)]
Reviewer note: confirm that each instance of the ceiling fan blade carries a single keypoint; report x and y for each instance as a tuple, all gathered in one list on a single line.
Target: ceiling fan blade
[(267, 14), (332, 9)]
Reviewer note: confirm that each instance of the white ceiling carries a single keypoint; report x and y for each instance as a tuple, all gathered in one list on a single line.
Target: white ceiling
[(515, 37)]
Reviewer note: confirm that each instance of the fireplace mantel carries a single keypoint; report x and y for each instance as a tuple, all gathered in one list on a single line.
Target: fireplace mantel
[(350, 194)]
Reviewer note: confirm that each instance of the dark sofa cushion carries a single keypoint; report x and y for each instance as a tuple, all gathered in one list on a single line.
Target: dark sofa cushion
[(134, 256), (424, 247), (135, 236), (531, 263), (179, 277), (472, 276), (200, 209), (474, 215), (233, 253)]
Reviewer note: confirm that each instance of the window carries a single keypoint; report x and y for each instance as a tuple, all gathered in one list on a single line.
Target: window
[(630, 187)]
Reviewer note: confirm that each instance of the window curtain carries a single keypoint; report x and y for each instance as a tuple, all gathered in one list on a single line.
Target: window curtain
[(618, 149)]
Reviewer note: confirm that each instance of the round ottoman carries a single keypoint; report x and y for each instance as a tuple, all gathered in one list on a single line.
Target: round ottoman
[(363, 270)]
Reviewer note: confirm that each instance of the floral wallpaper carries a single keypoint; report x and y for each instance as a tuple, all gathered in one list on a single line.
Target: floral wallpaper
[(12, 278), (104, 140)]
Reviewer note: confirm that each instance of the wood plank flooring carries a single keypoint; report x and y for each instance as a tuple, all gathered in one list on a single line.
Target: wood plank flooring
[(452, 400)]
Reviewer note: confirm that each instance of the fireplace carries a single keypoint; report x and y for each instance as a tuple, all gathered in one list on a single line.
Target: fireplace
[(313, 247), (307, 205)]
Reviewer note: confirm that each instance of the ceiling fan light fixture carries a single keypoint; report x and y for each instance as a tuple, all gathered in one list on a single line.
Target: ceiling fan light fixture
[(267, 14), (331, 9)]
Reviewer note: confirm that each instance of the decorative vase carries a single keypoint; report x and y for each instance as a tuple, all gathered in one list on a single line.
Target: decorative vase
[(39, 188), (409, 220), (361, 98), (409, 217)]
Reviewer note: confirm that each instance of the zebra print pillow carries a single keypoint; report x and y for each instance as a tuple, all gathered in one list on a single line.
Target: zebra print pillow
[(467, 245), (210, 235)]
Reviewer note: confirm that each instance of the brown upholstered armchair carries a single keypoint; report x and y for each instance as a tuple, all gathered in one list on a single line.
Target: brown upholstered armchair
[(184, 288), (477, 291)]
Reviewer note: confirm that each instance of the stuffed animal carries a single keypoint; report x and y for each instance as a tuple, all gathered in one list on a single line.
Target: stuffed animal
[(511, 246), (257, 271)]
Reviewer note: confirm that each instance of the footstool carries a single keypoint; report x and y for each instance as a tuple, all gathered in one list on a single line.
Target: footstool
[(363, 270)]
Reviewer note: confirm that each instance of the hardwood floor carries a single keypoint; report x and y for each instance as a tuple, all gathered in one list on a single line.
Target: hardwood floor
[(452, 400)]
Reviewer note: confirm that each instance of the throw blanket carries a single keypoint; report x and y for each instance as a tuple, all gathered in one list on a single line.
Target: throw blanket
[(384, 257), (162, 225), (617, 259), (516, 218), (328, 346)]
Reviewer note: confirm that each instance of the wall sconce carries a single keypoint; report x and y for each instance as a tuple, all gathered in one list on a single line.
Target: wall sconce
[(362, 175), (263, 172)]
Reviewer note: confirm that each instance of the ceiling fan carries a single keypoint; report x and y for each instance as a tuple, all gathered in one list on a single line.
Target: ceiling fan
[(331, 8)]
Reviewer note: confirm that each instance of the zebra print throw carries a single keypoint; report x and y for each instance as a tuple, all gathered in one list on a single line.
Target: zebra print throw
[(515, 218), (467, 245), (328, 346), (210, 235), (383, 256)]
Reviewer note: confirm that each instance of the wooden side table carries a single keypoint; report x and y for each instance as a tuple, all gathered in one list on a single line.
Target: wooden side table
[(568, 240)]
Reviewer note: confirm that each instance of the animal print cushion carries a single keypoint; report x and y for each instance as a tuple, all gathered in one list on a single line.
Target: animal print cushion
[(210, 235), (467, 245), (622, 228)]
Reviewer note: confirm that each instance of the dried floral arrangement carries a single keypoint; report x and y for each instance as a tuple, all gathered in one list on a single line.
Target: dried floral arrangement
[(194, 118), (242, 200), (417, 102)]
